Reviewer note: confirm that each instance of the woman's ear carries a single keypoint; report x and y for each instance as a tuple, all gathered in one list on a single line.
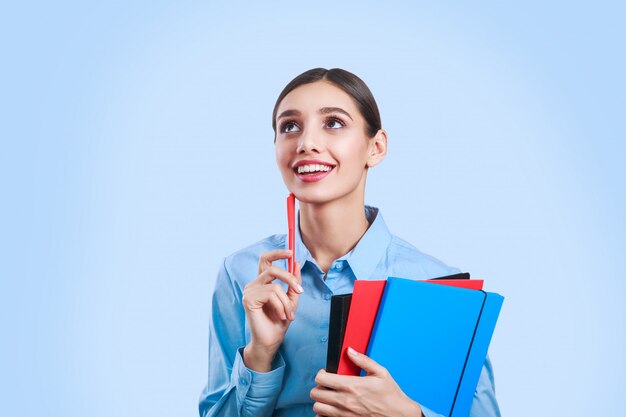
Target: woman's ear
[(377, 148)]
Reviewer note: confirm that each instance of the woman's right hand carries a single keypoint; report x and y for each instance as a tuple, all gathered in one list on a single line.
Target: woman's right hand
[(269, 309)]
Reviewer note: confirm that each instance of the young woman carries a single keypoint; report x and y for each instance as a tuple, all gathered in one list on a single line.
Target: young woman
[(268, 330)]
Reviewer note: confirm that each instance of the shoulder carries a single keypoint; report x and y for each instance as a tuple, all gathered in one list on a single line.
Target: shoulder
[(242, 265), (410, 262)]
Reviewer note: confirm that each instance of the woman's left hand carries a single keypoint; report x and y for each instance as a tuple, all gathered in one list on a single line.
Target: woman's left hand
[(376, 394)]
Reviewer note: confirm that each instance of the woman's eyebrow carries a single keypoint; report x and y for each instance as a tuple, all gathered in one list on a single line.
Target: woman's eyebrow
[(326, 110), (288, 113), (323, 110)]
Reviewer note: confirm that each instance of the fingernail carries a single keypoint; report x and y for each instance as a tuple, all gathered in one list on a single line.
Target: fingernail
[(352, 351), (299, 288)]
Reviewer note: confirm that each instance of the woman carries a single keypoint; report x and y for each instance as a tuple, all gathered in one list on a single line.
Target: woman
[(268, 332)]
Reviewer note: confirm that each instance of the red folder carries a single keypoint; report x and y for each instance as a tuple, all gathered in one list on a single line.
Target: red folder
[(363, 309), (471, 284)]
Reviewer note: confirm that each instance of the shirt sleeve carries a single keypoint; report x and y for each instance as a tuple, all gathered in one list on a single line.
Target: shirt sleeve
[(232, 388), (484, 403)]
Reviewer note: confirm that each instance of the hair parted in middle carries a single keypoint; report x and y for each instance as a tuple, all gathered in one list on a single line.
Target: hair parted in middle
[(349, 83)]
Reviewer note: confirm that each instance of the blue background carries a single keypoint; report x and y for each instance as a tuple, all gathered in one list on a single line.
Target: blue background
[(136, 152)]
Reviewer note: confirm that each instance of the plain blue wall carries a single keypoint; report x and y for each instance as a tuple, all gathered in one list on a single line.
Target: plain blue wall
[(137, 153)]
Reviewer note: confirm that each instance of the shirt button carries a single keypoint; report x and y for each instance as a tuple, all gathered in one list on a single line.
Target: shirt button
[(327, 296), (243, 381), (323, 339), (338, 266)]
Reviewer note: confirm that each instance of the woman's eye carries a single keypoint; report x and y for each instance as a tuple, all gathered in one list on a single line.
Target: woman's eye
[(334, 123), (289, 127)]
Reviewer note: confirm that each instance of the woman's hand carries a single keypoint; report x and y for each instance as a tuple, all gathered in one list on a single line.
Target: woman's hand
[(269, 309), (376, 394)]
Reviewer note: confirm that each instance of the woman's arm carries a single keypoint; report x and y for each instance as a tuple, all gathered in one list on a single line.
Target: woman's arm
[(233, 389), (485, 403), (245, 380)]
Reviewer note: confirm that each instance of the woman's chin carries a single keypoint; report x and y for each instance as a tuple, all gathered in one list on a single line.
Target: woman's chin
[(313, 197), (322, 197)]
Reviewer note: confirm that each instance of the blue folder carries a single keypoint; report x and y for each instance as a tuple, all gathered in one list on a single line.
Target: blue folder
[(433, 340)]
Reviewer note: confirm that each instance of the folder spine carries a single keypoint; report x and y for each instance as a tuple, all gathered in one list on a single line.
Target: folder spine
[(339, 308), (381, 309), (478, 353), (469, 352), (363, 310)]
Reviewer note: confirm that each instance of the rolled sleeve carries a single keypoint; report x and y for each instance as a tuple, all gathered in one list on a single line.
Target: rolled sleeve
[(257, 385)]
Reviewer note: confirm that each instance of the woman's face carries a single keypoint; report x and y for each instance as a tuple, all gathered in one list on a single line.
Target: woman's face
[(322, 150)]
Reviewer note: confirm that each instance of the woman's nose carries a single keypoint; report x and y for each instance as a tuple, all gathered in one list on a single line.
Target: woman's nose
[(309, 141)]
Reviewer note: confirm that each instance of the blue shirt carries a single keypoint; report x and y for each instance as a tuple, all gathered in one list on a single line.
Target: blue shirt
[(234, 390)]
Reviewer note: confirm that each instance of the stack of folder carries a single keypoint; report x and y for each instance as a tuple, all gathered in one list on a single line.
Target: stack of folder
[(433, 339)]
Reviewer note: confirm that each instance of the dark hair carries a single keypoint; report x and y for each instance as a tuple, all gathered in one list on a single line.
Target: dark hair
[(348, 82)]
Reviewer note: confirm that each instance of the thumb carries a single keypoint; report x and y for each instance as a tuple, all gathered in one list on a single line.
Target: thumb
[(293, 295), (364, 362), (297, 273)]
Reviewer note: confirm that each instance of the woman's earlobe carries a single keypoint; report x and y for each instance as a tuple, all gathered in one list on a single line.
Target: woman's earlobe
[(374, 159)]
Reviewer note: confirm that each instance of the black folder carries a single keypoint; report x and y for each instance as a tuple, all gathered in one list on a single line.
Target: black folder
[(339, 308)]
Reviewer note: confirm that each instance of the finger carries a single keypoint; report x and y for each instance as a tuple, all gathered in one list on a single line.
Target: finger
[(266, 258), (286, 302), (334, 381), (277, 306), (264, 297), (328, 410), (366, 363), (326, 396), (274, 272)]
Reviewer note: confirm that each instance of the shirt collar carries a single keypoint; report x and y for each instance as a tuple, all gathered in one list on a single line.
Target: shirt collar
[(368, 252)]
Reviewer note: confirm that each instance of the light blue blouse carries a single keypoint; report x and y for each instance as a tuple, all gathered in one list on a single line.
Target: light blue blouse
[(234, 390)]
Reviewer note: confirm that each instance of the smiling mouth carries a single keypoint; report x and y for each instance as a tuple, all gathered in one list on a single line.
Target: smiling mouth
[(313, 169)]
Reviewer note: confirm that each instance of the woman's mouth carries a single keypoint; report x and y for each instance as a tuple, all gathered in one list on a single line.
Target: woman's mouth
[(312, 172)]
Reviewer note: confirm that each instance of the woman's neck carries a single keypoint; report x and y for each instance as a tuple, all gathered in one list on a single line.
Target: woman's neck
[(331, 230)]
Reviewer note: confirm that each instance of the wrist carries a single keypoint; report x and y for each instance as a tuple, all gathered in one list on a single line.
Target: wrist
[(412, 409), (258, 358)]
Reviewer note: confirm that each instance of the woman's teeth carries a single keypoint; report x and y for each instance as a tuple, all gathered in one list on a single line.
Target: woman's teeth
[(313, 168)]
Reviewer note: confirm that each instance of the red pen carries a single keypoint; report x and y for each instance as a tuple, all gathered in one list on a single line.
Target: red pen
[(291, 237)]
